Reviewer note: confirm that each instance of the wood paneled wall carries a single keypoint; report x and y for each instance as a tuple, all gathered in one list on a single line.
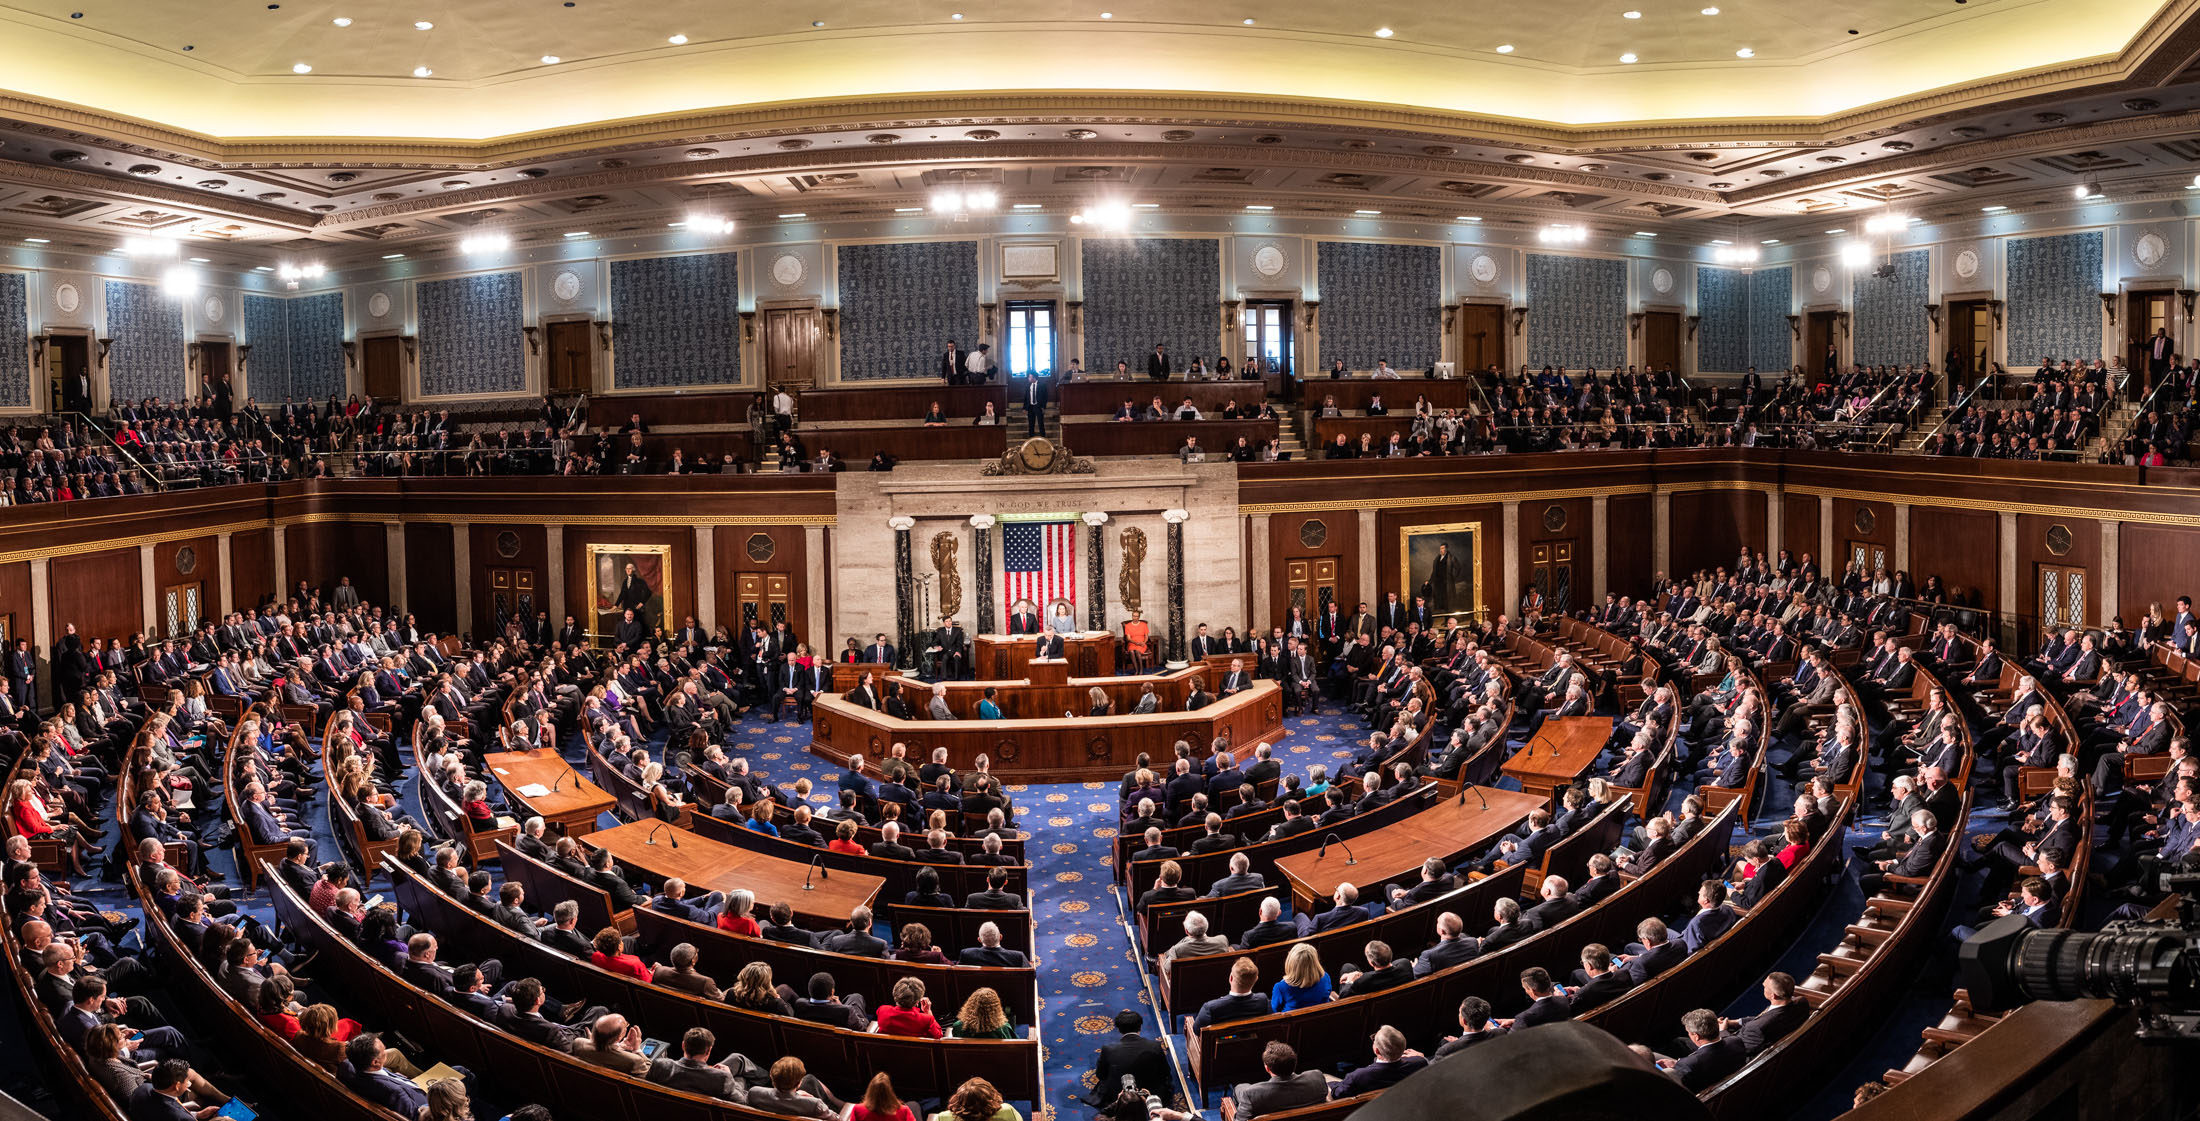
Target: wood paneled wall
[(579, 576), (1799, 528), (430, 593), (1963, 548), (251, 567), (1389, 525), (1709, 528), (101, 593), (1336, 537), (15, 598), (486, 545), (784, 551), (1627, 544)]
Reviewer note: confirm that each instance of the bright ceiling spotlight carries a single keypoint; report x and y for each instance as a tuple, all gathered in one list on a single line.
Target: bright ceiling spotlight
[(1856, 254), (149, 246), (485, 243), (1563, 235), (709, 224), (179, 281)]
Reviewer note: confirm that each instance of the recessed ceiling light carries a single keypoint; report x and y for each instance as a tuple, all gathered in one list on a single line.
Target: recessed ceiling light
[(1145, 206), (39, 240), (1745, 52), (265, 268), (550, 60), (1257, 206), (908, 210), (1368, 213), (421, 71), (1770, 241), (796, 214), (1107, 15), (342, 21), (1993, 209), (1644, 233), (202, 260), (1630, 15), (301, 68), (576, 233), (957, 15), (678, 40), (1838, 230), (1628, 57), (391, 256), (817, 23), (423, 25), (1384, 33), (1720, 241), (1467, 218), (1504, 48), (1030, 206), (1248, 21), (1711, 11)]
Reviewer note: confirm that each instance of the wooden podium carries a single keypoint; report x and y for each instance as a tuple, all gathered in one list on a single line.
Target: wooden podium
[(1002, 657)]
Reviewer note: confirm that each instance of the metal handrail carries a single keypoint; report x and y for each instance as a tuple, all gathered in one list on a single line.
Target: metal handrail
[(1953, 409), (151, 477)]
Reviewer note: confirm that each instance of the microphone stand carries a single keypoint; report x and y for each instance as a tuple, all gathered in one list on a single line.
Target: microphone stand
[(1464, 787), (1349, 859), (652, 838), (816, 866)]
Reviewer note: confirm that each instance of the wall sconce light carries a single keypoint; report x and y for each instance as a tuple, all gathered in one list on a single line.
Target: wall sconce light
[(987, 319), (1693, 320), (1634, 325), (1076, 310), (1995, 306), (1842, 318), (534, 338), (2108, 304), (1313, 313), (748, 326), (351, 354), (1932, 312), (1795, 326), (191, 356), (104, 346), (38, 351), (1451, 318), (244, 356), (603, 334), (832, 322), (2187, 295), (1230, 314), (1520, 316), (412, 347)]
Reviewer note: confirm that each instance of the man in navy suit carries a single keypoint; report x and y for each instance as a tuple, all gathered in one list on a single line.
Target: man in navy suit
[(1716, 1055), (1392, 1064), (880, 650), (989, 950), (1345, 908), (1241, 1003), (158, 1098), (267, 828), (371, 1081), (1547, 1004), (1452, 946)]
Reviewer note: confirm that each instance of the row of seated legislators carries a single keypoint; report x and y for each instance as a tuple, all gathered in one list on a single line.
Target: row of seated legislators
[(173, 752)]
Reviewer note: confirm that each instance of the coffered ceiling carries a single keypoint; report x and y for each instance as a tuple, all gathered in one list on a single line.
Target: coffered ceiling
[(113, 129)]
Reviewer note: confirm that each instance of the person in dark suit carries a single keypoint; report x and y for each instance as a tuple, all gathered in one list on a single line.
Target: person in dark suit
[(1241, 878), (1025, 621), (1383, 972), (1392, 1064), (370, 1080), (1270, 929), (1144, 1061), (1157, 368), (989, 950), (1240, 1003), (159, 1097), (1766, 874), (1287, 1086), (1452, 947), (1653, 952), (995, 897), (952, 362), (1547, 1003), (1344, 909), (1917, 860), (824, 1005), (1602, 982), (1784, 1012), (1474, 1027), (1715, 1056)]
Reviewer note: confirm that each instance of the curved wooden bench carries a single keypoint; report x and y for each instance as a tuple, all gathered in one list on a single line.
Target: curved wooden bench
[(958, 880)]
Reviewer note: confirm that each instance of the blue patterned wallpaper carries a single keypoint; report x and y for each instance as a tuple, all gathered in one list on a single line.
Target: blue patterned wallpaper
[(1722, 336), (679, 320), (267, 332), (470, 341), (1381, 302), (1577, 311), (1890, 325), (1771, 298), (900, 303), (316, 345), (2054, 302), (15, 336), (147, 358), (1142, 291)]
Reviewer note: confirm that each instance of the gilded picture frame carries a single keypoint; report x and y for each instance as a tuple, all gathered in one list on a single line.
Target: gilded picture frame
[(1460, 544), (609, 591)]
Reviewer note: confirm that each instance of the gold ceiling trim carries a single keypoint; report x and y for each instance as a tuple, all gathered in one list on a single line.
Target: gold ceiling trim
[(2002, 506), (2153, 51), (58, 552)]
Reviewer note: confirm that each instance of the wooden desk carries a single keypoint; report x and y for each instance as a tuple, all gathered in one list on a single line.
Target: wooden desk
[(846, 675), (1562, 749), (1452, 830), (1007, 657), (571, 808), (709, 865), (1056, 749)]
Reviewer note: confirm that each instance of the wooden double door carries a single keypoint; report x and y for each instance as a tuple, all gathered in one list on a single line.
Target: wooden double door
[(791, 346)]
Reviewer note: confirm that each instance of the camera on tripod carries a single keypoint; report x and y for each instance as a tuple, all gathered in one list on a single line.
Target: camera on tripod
[(2151, 965)]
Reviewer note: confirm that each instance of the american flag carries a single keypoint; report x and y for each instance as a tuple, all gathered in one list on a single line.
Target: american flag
[(1041, 563)]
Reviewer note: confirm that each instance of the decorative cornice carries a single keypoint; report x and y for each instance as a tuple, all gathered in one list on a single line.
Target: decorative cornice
[(147, 190)]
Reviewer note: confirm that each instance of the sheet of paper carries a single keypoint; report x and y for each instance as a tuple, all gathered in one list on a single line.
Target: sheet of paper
[(533, 790)]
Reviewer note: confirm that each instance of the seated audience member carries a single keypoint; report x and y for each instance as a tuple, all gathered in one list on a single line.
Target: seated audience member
[(1393, 1062)]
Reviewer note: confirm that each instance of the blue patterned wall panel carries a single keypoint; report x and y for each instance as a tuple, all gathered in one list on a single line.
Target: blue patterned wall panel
[(1890, 324), (316, 350), (1722, 335), (2054, 302), (1771, 298), (470, 341), (147, 357), (1142, 291), (1577, 311), (900, 303), (267, 332), (679, 320), (1381, 302), (15, 334)]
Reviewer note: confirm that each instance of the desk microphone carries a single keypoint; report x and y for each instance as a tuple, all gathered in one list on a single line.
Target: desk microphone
[(652, 838), (1328, 837), (1466, 786), (561, 779), (817, 865)]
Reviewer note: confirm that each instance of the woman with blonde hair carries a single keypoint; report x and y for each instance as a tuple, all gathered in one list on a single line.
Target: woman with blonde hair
[(1305, 983), (447, 1101), (753, 990), (982, 1017), (1101, 705), (977, 1100)]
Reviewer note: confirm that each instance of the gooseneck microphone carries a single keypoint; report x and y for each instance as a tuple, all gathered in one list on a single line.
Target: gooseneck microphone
[(1464, 787), (652, 838), (1328, 837), (817, 865)]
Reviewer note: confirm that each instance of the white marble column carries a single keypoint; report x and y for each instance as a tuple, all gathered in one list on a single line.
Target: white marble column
[(1902, 541), (1371, 588), (1261, 574), (1774, 510), (813, 552), (1661, 533), (1509, 565), (1600, 571), (42, 623), (706, 578), (553, 569), (224, 595), (1831, 558), (280, 536), (2110, 591), (149, 592), (393, 543), (462, 576)]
